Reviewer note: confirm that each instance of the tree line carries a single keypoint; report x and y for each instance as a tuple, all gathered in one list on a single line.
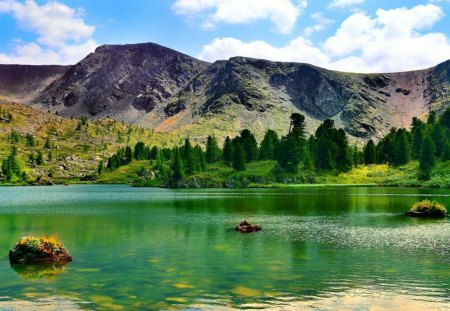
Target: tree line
[(427, 142)]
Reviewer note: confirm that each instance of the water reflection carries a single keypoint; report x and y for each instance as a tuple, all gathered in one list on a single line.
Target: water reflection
[(34, 272), (156, 249)]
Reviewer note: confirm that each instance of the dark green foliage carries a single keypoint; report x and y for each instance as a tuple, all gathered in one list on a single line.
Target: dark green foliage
[(100, 167), (14, 137), (418, 134), (227, 151), (446, 153), (154, 152), (30, 140), (331, 150), (401, 148), (427, 159), (177, 165), (10, 166), (444, 120), (213, 152), (298, 125), (369, 152), (248, 142), (288, 153), (128, 155), (140, 151), (431, 118), (268, 146), (439, 136), (47, 144), (40, 158), (238, 161)]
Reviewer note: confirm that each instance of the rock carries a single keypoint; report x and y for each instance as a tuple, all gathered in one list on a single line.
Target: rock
[(428, 214), (246, 227), (38, 250), (427, 208)]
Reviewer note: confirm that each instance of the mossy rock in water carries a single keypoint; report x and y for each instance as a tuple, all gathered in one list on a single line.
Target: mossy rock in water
[(38, 250), (427, 208), (39, 271), (245, 227)]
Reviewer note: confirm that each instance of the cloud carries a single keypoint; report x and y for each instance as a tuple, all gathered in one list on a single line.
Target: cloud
[(392, 40), (62, 35), (282, 13), (344, 3), (321, 22), (299, 49)]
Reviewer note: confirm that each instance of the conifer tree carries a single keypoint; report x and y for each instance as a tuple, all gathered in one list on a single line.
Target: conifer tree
[(213, 152), (268, 145), (427, 159), (401, 148), (369, 152), (40, 158), (177, 166), (227, 151), (238, 161), (250, 146)]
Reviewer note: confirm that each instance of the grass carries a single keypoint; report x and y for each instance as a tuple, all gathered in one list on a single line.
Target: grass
[(429, 206)]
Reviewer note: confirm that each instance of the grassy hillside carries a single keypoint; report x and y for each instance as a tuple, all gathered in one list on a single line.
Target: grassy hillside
[(72, 149)]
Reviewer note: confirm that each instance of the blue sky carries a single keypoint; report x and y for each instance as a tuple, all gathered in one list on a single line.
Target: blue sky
[(348, 35)]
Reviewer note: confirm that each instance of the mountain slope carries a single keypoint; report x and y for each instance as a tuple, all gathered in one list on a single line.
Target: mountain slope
[(24, 82), (156, 87), (126, 81)]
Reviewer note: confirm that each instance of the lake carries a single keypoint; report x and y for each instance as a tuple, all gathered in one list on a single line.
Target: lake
[(325, 248)]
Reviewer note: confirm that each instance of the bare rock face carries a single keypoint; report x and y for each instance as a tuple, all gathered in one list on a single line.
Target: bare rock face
[(156, 87), (106, 82)]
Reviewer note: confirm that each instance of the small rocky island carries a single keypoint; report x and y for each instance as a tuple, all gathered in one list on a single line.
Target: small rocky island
[(246, 227), (427, 208), (34, 250)]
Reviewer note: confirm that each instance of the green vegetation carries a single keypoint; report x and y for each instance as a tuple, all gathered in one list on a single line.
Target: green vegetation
[(427, 206), (59, 150)]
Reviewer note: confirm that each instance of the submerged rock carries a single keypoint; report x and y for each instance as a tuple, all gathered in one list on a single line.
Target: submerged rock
[(427, 208), (246, 227), (38, 250)]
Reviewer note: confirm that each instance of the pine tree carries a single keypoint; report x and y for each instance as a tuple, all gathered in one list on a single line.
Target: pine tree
[(288, 153), (268, 145), (369, 152), (227, 151), (298, 125), (40, 158), (445, 118), (418, 134), (177, 166), (401, 148), (238, 161), (249, 145), (213, 152), (439, 136), (128, 157), (427, 159)]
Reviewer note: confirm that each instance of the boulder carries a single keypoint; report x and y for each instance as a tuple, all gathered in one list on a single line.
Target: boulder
[(246, 227), (38, 251), (427, 208)]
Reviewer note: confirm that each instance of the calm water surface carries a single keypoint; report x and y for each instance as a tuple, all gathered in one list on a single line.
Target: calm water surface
[(158, 249)]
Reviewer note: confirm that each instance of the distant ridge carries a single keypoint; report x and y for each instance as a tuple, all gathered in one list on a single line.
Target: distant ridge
[(156, 87)]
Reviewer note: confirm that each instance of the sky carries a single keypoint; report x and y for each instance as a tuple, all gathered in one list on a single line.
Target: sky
[(346, 35)]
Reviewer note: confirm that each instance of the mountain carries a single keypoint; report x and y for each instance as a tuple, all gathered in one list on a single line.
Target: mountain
[(24, 82), (159, 88)]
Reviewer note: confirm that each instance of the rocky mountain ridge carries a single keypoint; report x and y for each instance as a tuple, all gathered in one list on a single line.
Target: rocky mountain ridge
[(156, 87)]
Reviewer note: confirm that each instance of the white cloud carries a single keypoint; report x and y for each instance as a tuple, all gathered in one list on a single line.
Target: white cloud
[(62, 35), (299, 49), (392, 40), (282, 13), (344, 3), (321, 22)]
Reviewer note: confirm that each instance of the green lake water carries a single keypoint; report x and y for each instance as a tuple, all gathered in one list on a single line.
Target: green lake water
[(321, 248)]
